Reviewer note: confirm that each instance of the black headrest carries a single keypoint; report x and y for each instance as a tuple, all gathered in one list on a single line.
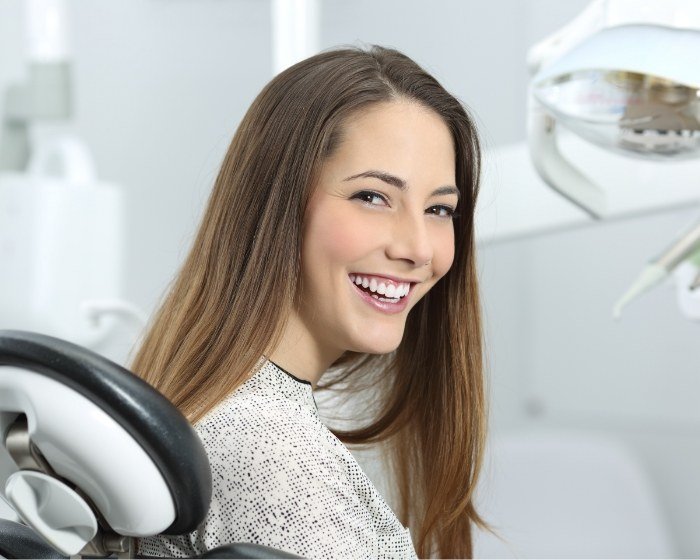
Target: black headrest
[(161, 430)]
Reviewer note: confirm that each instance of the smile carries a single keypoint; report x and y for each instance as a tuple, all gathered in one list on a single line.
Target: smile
[(382, 287), (382, 294)]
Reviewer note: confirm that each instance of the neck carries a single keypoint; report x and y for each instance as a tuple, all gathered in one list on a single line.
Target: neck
[(301, 354)]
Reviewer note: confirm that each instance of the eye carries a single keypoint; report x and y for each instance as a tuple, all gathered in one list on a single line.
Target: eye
[(368, 197), (443, 211)]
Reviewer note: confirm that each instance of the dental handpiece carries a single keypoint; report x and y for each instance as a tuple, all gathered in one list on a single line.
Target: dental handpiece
[(660, 267), (680, 250)]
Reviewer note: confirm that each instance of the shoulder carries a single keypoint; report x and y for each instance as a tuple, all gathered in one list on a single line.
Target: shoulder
[(278, 481), (251, 441), (259, 422)]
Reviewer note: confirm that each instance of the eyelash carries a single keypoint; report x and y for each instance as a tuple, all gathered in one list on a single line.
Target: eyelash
[(451, 214)]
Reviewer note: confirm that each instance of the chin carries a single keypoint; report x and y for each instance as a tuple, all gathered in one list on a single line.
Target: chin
[(378, 345)]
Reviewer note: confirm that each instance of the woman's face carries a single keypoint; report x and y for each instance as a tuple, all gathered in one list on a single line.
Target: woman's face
[(393, 231)]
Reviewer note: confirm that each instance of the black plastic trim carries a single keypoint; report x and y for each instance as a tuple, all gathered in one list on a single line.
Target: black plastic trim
[(20, 541)]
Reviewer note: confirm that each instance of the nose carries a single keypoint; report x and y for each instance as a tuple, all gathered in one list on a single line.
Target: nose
[(410, 240)]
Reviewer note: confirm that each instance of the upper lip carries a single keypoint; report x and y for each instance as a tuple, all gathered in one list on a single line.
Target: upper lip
[(389, 277)]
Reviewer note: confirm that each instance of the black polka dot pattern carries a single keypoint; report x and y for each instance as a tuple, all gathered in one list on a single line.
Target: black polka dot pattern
[(282, 479)]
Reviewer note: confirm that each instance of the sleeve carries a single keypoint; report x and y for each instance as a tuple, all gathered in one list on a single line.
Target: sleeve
[(278, 482)]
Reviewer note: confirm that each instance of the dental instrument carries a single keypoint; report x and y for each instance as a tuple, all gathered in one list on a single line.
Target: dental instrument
[(660, 268)]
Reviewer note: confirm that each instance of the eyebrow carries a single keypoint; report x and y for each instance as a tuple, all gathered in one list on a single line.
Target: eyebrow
[(400, 183)]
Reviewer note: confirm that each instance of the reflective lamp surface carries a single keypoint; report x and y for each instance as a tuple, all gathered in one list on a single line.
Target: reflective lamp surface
[(631, 113)]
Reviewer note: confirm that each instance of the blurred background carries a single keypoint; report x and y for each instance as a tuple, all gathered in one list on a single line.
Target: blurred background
[(595, 423)]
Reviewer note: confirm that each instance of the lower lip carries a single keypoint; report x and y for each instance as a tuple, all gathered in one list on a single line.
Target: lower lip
[(383, 306)]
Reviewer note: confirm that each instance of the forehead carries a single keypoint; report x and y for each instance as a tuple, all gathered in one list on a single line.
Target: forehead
[(399, 137)]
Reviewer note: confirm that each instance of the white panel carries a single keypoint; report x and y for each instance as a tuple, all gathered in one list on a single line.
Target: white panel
[(64, 244)]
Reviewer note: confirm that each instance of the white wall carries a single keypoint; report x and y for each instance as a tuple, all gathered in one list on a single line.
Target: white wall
[(162, 84), (559, 360)]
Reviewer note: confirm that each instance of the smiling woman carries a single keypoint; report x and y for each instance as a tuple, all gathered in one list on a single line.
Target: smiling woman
[(331, 248), (390, 236)]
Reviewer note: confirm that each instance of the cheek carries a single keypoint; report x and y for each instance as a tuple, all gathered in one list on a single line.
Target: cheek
[(444, 253), (334, 235)]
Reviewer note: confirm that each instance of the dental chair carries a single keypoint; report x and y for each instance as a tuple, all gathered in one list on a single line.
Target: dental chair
[(91, 457)]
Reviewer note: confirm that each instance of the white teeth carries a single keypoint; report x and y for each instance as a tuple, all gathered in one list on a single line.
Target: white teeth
[(389, 300), (382, 288)]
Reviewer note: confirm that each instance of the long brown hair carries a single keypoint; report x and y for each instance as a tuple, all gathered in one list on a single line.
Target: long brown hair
[(217, 318)]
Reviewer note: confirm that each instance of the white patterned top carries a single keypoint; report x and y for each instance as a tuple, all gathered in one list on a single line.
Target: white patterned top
[(282, 479)]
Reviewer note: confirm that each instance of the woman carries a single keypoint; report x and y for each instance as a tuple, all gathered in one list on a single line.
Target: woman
[(331, 247)]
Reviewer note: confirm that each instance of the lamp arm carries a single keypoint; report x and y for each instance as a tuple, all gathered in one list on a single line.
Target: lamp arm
[(555, 170), (590, 20)]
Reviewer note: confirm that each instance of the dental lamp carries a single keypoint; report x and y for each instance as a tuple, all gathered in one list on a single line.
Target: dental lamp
[(624, 76)]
